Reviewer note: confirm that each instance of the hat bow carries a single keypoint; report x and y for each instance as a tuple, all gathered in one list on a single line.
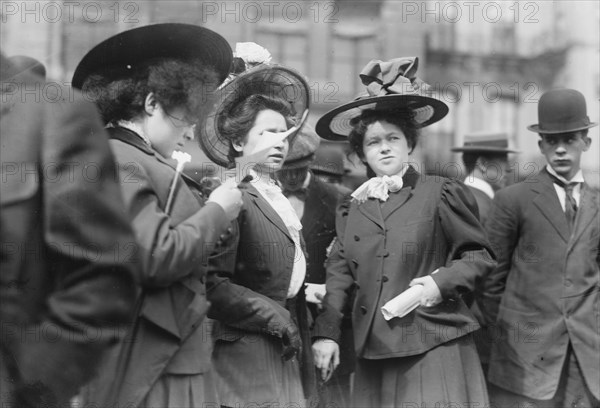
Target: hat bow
[(397, 76)]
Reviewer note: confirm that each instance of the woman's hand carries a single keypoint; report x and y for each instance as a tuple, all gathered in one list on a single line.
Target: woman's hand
[(431, 293), (229, 197), (326, 353)]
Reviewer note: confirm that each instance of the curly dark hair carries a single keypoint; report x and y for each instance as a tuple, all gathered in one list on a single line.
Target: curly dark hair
[(235, 125), (174, 83), (403, 118)]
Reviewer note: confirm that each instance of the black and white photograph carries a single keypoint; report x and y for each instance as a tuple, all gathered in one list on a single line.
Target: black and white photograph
[(299, 204)]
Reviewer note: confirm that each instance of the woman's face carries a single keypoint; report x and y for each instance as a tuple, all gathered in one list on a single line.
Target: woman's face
[(385, 148), (266, 121), (168, 131)]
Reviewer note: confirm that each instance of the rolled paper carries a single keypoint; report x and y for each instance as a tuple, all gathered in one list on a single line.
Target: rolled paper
[(312, 289), (404, 303), (182, 158)]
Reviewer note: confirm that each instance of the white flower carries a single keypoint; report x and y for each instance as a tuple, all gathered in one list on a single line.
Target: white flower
[(252, 53)]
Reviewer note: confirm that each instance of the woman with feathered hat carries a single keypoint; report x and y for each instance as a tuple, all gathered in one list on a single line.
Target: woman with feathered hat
[(255, 284), (410, 245), (151, 85)]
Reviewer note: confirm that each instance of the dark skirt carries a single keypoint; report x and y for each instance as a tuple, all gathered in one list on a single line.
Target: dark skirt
[(447, 375), (183, 391), (251, 373)]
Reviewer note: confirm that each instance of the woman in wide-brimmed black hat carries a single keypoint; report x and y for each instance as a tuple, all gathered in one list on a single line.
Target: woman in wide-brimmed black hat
[(402, 231), (151, 85), (255, 285)]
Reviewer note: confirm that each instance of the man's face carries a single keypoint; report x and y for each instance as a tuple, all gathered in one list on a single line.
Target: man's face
[(563, 151)]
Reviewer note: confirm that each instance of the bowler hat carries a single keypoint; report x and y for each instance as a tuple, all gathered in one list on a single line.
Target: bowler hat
[(561, 111), (391, 85), (485, 143), (122, 53), (302, 151)]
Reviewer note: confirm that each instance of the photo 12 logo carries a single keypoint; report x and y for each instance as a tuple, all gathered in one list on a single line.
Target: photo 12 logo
[(69, 11)]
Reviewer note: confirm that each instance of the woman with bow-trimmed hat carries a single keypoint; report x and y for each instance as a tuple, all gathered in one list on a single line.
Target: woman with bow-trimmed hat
[(151, 85), (256, 283), (411, 245)]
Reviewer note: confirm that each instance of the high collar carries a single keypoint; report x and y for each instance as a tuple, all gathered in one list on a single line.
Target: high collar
[(577, 178), (479, 184)]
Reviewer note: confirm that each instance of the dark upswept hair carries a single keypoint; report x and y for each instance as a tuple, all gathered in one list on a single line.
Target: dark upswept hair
[(237, 122), (175, 84), (403, 118)]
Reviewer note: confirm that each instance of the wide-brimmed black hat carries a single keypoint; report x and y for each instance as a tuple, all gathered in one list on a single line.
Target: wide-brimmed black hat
[(122, 53), (391, 85), (271, 80), (491, 143), (561, 111)]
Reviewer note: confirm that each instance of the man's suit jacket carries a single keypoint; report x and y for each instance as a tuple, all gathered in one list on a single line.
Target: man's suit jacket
[(168, 334), (318, 230), (484, 203), (318, 225), (247, 286), (67, 252), (545, 292), (430, 223)]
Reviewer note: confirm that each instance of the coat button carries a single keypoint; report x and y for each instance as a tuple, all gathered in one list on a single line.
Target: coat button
[(568, 282), (385, 254), (385, 279), (356, 238), (363, 310)]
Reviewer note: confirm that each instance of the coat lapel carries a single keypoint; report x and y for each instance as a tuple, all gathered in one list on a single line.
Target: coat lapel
[(372, 210), (267, 210), (587, 213), (397, 200), (548, 204)]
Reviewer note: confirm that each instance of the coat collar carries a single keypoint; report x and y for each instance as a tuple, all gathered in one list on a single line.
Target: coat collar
[(378, 212), (586, 214), (548, 204), (131, 138), (268, 211)]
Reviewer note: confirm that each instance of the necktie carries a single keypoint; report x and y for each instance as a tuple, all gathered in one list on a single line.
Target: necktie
[(377, 187), (300, 193), (570, 203)]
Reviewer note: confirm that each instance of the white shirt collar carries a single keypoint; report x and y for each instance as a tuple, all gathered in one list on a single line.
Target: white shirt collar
[(479, 184), (577, 178)]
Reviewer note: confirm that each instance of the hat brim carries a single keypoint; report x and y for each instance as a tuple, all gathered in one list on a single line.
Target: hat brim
[(335, 124), (124, 51), (483, 149), (270, 80), (536, 128)]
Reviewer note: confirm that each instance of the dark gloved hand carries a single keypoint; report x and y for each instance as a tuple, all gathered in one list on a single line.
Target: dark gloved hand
[(292, 343)]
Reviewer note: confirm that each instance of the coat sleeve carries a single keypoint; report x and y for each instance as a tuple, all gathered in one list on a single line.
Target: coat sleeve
[(503, 231), (87, 236), (470, 255), (339, 283), (167, 253), (236, 305)]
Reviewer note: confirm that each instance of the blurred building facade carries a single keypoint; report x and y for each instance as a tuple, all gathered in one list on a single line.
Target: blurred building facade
[(489, 60)]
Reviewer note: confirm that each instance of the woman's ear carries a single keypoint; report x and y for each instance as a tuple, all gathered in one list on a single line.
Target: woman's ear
[(150, 104), (238, 146)]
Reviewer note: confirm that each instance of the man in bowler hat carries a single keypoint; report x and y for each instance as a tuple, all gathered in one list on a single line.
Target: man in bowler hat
[(543, 296), (67, 252), (315, 202)]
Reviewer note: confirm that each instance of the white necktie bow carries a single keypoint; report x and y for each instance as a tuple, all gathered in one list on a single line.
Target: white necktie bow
[(377, 187)]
